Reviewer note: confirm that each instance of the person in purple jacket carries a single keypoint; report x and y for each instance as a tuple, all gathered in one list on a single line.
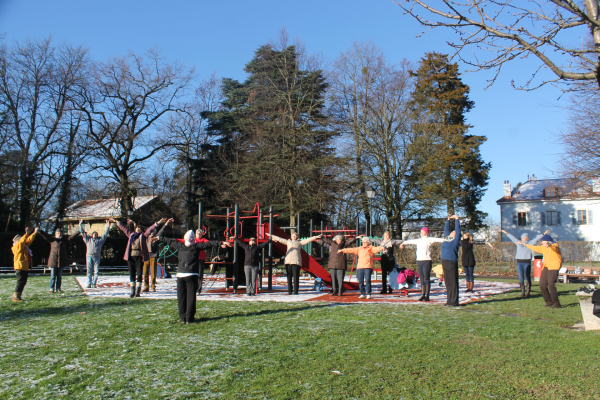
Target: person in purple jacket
[(136, 252)]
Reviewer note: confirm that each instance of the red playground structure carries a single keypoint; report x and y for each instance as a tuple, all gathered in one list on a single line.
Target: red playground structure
[(264, 224)]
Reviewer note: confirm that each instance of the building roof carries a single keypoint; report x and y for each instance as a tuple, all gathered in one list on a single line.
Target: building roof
[(565, 188), (101, 208)]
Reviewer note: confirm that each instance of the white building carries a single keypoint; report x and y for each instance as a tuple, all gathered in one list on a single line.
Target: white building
[(566, 207)]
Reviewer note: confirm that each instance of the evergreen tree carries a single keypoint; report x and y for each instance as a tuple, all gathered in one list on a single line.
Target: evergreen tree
[(273, 145), (458, 173)]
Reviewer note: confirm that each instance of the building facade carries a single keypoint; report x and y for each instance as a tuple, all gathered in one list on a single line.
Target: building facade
[(566, 207)]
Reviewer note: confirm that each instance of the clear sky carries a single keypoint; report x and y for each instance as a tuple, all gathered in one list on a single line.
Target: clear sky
[(221, 36)]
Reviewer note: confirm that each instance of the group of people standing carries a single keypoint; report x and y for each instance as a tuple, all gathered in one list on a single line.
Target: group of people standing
[(142, 251)]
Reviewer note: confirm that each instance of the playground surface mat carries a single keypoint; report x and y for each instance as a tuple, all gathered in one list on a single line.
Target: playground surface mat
[(214, 290)]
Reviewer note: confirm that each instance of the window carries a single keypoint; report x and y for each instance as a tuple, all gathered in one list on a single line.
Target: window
[(550, 192), (522, 219), (582, 217), (550, 217)]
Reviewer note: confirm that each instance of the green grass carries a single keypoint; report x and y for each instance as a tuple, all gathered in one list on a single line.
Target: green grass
[(73, 347)]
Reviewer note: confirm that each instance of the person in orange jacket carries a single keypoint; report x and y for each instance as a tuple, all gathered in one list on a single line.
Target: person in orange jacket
[(22, 261), (552, 263), (364, 268)]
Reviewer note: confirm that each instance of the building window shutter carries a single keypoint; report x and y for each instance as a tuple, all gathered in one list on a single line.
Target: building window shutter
[(574, 218), (590, 217), (528, 220), (543, 218), (558, 218), (515, 220)]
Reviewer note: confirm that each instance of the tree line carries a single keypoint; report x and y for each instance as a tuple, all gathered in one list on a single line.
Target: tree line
[(294, 134)]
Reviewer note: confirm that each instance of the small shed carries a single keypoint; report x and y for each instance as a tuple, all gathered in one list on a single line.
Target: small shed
[(94, 213)]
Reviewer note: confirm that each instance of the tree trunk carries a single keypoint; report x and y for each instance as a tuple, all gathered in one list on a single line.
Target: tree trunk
[(126, 194), (67, 180), (26, 179)]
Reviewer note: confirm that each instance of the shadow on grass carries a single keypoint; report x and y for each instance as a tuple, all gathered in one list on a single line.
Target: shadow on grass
[(267, 312), (24, 313)]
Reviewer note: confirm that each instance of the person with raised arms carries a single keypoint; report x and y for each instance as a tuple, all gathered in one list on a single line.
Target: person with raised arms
[(552, 263), (136, 252), (188, 271), (388, 261), (364, 267), (293, 258), (93, 252), (523, 259), (22, 261), (449, 259), (424, 262), (58, 256), (252, 253), (338, 264)]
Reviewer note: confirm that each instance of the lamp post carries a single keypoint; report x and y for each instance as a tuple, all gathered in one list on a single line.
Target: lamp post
[(370, 196)]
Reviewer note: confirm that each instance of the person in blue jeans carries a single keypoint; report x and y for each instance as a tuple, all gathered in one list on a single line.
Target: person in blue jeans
[(93, 253), (523, 258)]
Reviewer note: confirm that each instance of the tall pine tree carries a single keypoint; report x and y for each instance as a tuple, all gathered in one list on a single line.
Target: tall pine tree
[(273, 145), (458, 173)]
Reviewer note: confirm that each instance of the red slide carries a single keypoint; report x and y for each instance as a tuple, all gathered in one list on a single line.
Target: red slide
[(309, 264)]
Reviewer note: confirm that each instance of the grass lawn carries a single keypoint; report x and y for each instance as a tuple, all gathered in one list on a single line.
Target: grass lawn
[(70, 346)]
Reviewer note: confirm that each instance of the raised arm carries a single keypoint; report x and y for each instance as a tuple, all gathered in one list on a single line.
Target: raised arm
[(537, 249), (73, 236), (377, 249), (327, 241), (310, 239), (46, 236), (278, 239), (349, 250), (83, 232), (170, 242), (123, 228), (206, 245), (160, 233), (511, 237), (457, 230), (350, 241), (260, 246), (447, 228), (28, 238), (411, 242), (538, 237), (241, 243), (105, 234)]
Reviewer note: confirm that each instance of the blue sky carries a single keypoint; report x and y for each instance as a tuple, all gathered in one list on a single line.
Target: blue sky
[(221, 36)]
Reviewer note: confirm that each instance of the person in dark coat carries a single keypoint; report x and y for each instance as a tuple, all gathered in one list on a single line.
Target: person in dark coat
[(388, 261), (136, 252), (338, 263), (58, 256), (251, 262), (468, 260), (188, 271), (449, 259)]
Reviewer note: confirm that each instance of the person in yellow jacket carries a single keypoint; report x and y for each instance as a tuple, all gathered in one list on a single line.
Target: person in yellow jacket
[(364, 267), (552, 263), (22, 260)]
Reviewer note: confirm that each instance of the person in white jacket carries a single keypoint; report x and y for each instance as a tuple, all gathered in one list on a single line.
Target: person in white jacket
[(423, 260), (293, 258)]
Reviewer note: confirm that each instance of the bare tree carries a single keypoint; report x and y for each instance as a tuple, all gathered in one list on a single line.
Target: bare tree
[(370, 100), (510, 29), (186, 131), (581, 137), (37, 86), (127, 99)]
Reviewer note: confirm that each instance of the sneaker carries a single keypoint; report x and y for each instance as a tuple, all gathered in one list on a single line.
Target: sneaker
[(368, 296), (51, 291), (94, 286), (88, 286), (362, 296), (58, 291)]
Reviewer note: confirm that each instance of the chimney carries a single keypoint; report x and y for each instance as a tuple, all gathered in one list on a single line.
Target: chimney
[(596, 184), (507, 191), (533, 178)]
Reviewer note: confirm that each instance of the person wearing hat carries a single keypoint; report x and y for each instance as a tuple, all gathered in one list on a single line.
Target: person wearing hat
[(388, 261), (188, 271), (22, 261), (338, 264), (293, 258), (136, 252), (149, 267), (93, 252), (364, 269), (199, 238), (424, 262), (251, 262), (58, 256), (449, 258), (523, 259), (552, 263)]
